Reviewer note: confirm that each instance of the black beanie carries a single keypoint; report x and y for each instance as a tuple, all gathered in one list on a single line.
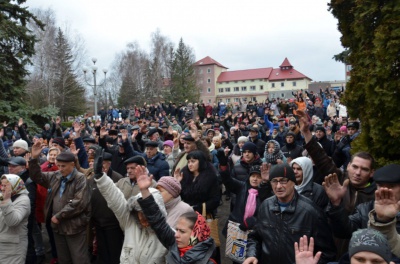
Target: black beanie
[(282, 170), (321, 128), (250, 146)]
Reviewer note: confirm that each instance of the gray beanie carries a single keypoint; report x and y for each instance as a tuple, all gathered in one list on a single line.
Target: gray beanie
[(370, 240)]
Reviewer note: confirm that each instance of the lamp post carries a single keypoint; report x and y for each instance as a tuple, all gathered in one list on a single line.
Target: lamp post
[(95, 85)]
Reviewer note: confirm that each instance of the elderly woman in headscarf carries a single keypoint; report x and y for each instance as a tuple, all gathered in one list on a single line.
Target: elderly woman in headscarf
[(141, 245), (303, 170), (190, 243), (14, 212), (170, 188)]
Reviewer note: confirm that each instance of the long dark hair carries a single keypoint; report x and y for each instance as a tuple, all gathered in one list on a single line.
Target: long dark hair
[(198, 155)]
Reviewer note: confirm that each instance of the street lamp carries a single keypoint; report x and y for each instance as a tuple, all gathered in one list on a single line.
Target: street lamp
[(94, 85)]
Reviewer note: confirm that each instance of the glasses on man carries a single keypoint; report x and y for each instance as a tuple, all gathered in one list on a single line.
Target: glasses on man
[(281, 181)]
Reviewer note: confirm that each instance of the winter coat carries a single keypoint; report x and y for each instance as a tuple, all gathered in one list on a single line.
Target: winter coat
[(74, 214), (141, 245), (175, 208), (274, 235), (241, 190), (14, 229), (199, 254), (307, 187), (128, 188), (202, 189), (260, 145), (292, 150), (156, 165), (389, 230)]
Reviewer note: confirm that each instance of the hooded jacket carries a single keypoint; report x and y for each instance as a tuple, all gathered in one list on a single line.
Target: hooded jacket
[(307, 187)]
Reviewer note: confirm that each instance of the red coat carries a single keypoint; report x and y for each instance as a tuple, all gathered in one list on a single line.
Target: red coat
[(41, 192)]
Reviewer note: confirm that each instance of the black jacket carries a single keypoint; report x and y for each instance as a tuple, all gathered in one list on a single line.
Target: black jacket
[(260, 146), (241, 190), (275, 233), (204, 189), (196, 255), (118, 158), (292, 150)]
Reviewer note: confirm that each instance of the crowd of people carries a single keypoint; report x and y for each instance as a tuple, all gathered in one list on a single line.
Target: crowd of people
[(136, 184)]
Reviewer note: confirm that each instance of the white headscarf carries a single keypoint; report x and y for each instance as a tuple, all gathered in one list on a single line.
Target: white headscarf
[(307, 167), (17, 184)]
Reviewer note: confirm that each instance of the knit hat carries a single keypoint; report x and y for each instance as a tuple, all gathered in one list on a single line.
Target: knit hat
[(59, 141), (320, 128), (250, 146), (169, 143), (369, 240), (20, 143), (282, 170), (255, 169), (171, 185), (343, 129)]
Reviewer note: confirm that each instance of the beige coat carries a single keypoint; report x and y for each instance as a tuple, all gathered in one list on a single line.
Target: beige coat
[(14, 230), (128, 190), (389, 230), (141, 245)]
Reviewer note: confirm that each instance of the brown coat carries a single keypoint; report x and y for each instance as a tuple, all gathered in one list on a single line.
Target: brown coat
[(74, 214)]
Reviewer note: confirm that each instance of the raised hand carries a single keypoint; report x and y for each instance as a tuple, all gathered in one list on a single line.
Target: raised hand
[(143, 180), (5, 124), (27, 157), (1, 133), (77, 128), (303, 122), (73, 149), (338, 135), (103, 132), (178, 174), (98, 163), (36, 149), (265, 167), (58, 120), (304, 252), (134, 134), (193, 132), (98, 123), (20, 122), (386, 205), (124, 134), (334, 190), (7, 193)]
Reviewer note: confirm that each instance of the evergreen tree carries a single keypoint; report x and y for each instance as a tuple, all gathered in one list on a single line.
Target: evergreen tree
[(70, 94), (371, 36), (183, 77)]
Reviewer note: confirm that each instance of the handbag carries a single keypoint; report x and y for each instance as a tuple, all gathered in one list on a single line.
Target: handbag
[(236, 242), (212, 224)]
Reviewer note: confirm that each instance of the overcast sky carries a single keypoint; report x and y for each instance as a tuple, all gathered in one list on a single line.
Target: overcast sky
[(238, 34)]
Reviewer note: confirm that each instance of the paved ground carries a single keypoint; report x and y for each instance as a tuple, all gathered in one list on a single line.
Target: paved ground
[(223, 213)]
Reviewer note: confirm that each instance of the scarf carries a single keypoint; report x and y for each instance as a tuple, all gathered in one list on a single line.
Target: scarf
[(251, 204), (200, 231), (17, 184), (277, 154)]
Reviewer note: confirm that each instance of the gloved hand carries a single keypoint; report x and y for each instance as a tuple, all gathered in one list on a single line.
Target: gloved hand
[(243, 227), (98, 163), (223, 160)]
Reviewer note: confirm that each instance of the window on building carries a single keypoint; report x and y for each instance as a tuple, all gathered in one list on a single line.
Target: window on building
[(236, 100), (261, 87), (236, 89), (243, 81), (208, 70), (282, 84), (209, 101), (282, 95), (209, 80), (294, 83), (252, 88), (272, 85), (244, 88), (220, 100), (228, 100), (252, 80), (227, 89), (272, 95), (208, 90), (221, 90), (253, 99)]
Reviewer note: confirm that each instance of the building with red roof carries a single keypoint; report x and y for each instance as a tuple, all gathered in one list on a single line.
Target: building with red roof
[(217, 84)]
